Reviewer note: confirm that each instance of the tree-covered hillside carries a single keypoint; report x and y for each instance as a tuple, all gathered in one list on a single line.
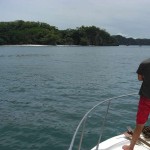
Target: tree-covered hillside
[(27, 32), (21, 32), (131, 41)]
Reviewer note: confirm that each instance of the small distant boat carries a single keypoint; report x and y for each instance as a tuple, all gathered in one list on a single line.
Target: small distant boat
[(112, 143)]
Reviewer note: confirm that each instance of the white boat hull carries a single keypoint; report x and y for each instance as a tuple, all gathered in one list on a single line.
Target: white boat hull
[(116, 143)]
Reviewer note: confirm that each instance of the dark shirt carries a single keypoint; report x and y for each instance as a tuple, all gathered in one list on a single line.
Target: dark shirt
[(144, 70)]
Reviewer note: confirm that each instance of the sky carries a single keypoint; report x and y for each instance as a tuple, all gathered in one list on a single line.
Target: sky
[(129, 18)]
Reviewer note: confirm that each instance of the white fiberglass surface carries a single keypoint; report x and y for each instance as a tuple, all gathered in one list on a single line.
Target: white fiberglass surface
[(117, 142)]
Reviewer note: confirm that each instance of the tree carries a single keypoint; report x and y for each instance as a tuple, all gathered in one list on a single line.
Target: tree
[(28, 32)]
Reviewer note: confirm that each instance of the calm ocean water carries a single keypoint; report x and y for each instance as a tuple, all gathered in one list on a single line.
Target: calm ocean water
[(45, 91)]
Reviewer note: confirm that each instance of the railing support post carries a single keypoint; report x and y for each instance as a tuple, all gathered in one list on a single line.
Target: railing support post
[(103, 125)]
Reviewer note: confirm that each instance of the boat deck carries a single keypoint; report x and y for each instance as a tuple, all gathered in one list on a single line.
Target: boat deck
[(116, 143)]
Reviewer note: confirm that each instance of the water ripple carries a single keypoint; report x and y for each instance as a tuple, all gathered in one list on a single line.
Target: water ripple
[(45, 91)]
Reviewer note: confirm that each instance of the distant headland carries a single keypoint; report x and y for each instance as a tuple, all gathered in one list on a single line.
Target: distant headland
[(26, 32)]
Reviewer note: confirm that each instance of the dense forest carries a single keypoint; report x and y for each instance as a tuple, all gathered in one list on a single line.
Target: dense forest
[(27, 32), (131, 41)]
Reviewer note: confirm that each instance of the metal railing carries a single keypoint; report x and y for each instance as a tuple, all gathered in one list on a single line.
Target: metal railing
[(83, 121)]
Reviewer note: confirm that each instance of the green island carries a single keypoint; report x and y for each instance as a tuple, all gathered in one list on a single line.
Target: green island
[(28, 32)]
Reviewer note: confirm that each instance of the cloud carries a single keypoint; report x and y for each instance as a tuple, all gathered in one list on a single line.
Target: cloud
[(129, 17)]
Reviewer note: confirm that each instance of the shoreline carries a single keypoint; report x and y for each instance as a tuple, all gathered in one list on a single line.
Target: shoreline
[(38, 45)]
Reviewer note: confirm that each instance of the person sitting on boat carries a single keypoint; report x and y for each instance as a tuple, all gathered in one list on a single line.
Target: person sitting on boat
[(144, 102)]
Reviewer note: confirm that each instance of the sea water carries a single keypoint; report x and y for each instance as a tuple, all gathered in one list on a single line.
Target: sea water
[(46, 90)]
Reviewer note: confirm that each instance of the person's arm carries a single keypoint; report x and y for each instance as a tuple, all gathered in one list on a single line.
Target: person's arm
[(140, 77)]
